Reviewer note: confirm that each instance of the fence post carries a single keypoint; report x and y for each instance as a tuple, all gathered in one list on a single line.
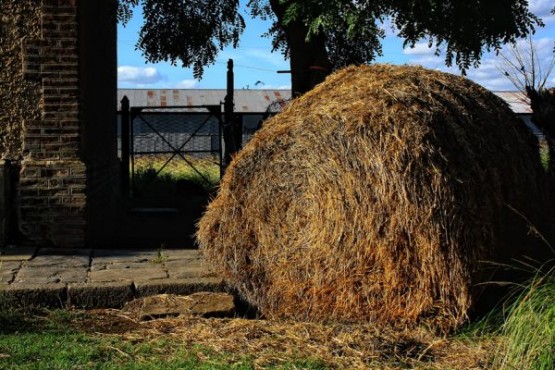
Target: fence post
[(229, 106), (125, 123)]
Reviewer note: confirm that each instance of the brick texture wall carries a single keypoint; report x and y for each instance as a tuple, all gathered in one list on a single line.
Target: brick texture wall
[(52, 191), (57, 118)]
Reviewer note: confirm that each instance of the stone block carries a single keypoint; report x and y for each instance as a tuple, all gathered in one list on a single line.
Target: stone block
[(8, 270), (34, 295), (180, 286), (205, 304), (181, 254), (184, 272), (135, 274), (59, 261), (105, 295), (51, 275)]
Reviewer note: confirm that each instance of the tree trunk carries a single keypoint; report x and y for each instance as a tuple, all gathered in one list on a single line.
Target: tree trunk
[(308, 58)]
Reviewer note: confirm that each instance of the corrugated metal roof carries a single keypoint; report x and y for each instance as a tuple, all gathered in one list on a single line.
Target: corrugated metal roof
[(252, 101), (246, 101), (517, 101)]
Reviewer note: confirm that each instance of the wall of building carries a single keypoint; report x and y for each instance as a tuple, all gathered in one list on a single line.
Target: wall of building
[(57, 119), (19, 96), (52, 185)]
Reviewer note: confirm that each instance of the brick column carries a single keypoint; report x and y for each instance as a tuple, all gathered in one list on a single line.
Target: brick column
[(52, 187)]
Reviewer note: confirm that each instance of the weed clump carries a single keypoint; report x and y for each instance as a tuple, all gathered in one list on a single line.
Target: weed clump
[(529, 331)]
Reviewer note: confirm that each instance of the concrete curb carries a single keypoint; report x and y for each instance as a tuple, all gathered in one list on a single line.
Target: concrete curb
[(107, 295), (33, 296), (54, 278)]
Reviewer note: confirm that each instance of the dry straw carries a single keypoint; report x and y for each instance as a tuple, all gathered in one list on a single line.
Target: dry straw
[(375, 197)]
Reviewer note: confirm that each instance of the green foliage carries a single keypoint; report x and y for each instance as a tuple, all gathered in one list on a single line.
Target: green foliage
[(193, 31), (189, 31), (352, 32), (462, 28), (544, 155), (125, 10), (529, 330)]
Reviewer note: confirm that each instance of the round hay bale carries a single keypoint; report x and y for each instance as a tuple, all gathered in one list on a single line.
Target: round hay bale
[(375, 197)]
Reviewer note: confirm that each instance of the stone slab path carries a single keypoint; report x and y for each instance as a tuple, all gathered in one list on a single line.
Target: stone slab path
[(94, 278)]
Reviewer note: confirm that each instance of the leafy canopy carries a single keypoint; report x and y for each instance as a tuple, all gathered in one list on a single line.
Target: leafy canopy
[(189, 31), (193, 31)]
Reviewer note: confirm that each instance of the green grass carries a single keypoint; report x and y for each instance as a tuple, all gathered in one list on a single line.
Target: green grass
[(158, 178), (544, 155), (529, 331), (50, 341)]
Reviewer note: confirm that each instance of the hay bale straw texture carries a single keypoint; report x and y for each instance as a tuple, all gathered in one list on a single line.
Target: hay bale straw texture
[(374, 197)]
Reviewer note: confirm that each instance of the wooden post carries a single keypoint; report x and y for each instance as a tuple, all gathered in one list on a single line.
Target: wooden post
[(125, 147)]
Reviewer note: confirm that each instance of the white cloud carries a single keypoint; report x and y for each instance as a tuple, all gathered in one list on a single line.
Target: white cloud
[(267, 60), (542, 8), (543, 45), (139, 76), (186, 84), (488, 74), (420, 48), (271, 87), (388, 26)]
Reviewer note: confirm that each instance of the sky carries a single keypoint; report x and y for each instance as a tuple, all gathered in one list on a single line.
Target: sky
[(256, 67)]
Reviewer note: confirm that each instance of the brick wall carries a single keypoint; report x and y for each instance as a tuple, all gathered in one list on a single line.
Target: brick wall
[(57, 118), (52, 191)]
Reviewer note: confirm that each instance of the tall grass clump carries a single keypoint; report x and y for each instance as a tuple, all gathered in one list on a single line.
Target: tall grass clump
[(157, 175), (529, 331)]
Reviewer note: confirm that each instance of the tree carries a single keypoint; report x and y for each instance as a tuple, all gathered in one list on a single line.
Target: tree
[(319, 36), (189, 31), (529, 71), (525, 66)]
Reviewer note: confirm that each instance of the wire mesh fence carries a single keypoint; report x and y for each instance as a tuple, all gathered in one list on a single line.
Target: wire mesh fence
[(171, 145)]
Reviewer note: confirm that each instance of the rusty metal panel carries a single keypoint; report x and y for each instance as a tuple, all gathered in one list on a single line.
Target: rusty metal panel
[(246, 101)]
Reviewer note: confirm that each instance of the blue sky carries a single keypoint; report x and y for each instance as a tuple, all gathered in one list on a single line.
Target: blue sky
[(256, 66)]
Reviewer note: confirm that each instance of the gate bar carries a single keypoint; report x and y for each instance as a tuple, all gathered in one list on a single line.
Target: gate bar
[(125, 123)]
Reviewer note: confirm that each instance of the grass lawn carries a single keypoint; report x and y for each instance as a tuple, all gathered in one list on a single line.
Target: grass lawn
[(109, 339)]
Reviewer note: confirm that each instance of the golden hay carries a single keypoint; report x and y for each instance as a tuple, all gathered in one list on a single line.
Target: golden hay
[(273, 344), (374, 198)]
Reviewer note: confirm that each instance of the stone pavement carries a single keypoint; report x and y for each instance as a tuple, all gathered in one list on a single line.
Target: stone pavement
[(94, 278)]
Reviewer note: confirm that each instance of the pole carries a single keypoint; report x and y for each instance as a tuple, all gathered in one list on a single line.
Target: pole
[(125, 123), (229, 105)]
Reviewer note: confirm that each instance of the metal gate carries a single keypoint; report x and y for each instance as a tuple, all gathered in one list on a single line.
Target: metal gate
[(172, 151)]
